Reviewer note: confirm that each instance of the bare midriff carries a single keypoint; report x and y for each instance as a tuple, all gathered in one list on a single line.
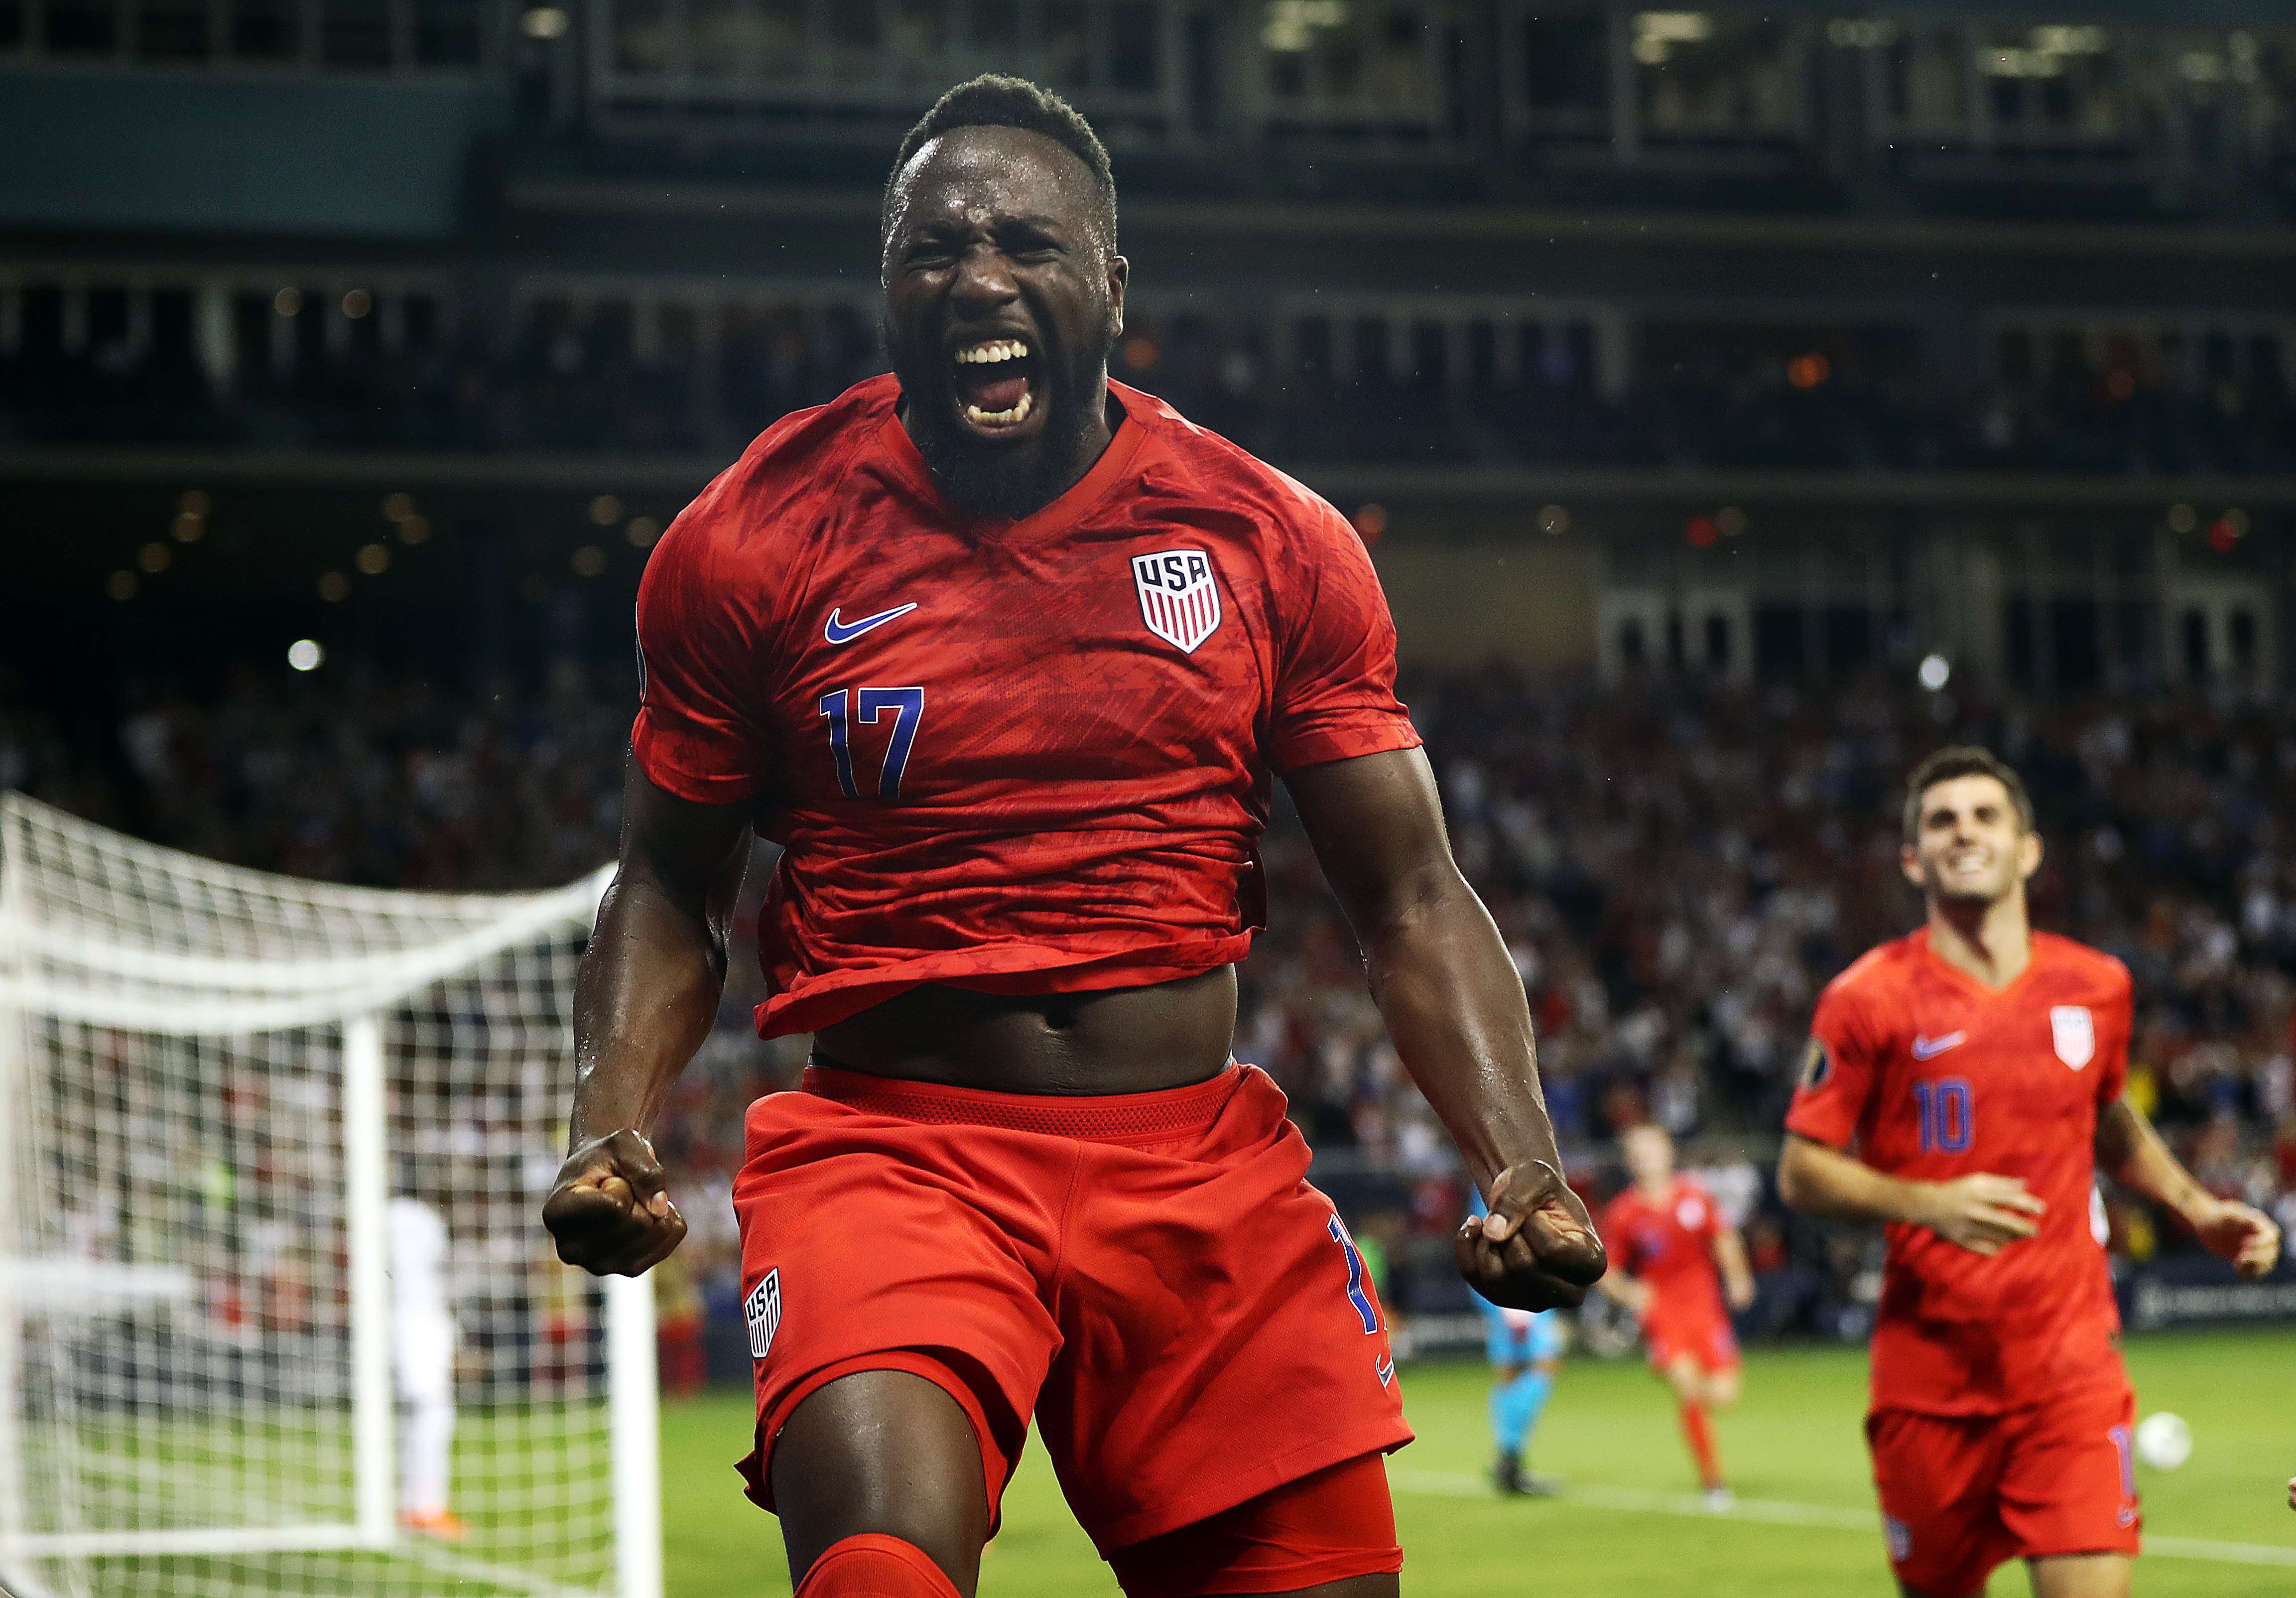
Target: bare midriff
[(1116, 1040)]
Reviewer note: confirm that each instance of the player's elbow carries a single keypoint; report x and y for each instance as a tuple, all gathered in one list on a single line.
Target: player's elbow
[(1395, 912), (1797, 1191)]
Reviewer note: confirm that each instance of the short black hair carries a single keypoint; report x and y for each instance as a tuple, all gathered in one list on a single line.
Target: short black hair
[(993, 100), (1964, 760)]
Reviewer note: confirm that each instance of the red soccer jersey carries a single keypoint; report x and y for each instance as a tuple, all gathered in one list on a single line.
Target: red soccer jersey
[(1022, 757), (1934, 1076), (1669, 1243)]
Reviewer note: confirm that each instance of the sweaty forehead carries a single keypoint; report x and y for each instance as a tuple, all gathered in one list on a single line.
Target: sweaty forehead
[(976, 175)]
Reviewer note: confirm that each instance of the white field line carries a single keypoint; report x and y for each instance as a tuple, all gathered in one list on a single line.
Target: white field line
[(462, 1566), (1454, 1484)]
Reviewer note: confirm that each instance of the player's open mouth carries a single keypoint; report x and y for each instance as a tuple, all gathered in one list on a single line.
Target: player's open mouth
[(995, 390)]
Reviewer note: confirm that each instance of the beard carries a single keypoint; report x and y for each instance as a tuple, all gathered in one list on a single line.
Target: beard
[(993, 479)]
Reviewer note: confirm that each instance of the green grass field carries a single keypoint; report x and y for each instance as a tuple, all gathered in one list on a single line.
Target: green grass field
[(2217, 1528)]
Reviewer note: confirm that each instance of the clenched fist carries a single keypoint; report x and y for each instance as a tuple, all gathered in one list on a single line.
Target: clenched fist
[(2245, 1236), (1537, 1250), (610, 1210)]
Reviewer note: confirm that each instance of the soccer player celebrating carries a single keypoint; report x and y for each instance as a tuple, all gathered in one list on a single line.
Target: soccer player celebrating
[(1005, 657), (1680, 1256), (1976, 1066)]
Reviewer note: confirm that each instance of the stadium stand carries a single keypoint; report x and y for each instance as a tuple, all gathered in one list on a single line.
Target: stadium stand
[(582, 370)]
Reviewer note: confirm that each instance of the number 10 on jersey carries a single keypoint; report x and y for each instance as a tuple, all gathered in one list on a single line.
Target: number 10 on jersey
[(908, 708), (1949, 1116)]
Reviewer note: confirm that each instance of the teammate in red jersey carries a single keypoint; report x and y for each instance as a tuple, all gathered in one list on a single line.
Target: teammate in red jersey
[(1679, 1259), (1976, 1067), (1005, 657)]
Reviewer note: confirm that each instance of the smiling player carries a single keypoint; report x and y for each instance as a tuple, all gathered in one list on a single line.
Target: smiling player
[(1006, 657), (1976, 1066)]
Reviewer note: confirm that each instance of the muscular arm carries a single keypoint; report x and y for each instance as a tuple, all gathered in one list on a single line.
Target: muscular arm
[(1454, 1006), (2131, 1152), (1983, 1212), (643, 1002)]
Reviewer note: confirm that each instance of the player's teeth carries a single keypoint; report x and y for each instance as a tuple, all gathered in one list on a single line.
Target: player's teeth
[(1019, 413), (1001, 349)]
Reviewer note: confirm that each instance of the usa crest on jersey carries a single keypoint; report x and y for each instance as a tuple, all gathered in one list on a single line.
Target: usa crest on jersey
[(2073, 1029), (1178, 598)]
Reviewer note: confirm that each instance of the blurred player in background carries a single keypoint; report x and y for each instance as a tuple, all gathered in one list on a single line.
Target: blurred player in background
[(422, 1357), (1008, 657), (1975, 1067), (1526, 1353), (1682, 1270)]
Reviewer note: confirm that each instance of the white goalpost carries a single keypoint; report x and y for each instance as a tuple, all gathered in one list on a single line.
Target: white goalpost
[(221, 1093)]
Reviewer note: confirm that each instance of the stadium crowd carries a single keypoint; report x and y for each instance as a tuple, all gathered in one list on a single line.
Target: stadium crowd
[(1678, 866), (545, 378)]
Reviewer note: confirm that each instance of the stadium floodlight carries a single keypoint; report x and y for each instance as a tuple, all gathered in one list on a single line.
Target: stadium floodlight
[(212, 1080)]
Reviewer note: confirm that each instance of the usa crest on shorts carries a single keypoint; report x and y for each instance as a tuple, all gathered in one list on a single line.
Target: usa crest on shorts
[(2073, 1029), (763, 1311), (1900, 1536), (1179, 600)]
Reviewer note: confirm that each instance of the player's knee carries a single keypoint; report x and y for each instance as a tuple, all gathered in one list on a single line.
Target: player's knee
[(881, 1453), (2082, 1576), (872, 1565)]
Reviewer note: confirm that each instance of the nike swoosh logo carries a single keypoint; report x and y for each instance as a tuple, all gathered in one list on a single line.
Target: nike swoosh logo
[(1929, 1048), (839, 632)]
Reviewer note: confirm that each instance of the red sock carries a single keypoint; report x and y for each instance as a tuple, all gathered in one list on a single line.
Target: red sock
[(1698, 1431), (873, 1565)]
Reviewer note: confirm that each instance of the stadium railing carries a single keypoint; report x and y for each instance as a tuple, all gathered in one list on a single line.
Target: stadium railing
[(272, 37)]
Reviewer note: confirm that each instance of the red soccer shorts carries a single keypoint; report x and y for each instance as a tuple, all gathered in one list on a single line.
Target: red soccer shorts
[(1704, 1338), (1150, 1273), (1962, 1493), (1339, 1522)]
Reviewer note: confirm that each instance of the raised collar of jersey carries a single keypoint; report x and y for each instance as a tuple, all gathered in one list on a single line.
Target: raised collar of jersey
[(1057, 517), (1989, 995)]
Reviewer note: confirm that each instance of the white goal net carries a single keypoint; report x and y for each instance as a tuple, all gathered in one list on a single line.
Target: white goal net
[(233, 1107)]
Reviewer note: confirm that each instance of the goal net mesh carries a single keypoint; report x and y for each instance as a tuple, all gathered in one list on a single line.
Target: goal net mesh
[(219, 1090)]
